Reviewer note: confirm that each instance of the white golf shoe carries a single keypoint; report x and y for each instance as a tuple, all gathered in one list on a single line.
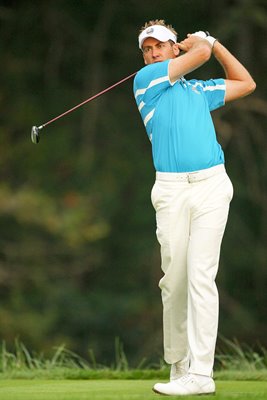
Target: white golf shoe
[(189, 384)]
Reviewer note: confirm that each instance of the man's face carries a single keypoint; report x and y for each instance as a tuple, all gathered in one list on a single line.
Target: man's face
[(156, 51)]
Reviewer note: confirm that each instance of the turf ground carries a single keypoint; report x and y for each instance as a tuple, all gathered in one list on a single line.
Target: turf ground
[(117, 390)]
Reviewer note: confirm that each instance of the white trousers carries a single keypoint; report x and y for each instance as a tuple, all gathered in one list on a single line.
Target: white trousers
[(191, 214)]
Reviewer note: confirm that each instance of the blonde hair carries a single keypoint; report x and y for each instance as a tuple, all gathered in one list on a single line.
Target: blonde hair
[(157, 22)]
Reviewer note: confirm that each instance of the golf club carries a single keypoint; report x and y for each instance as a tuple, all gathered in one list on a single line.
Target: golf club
[(35, 132)]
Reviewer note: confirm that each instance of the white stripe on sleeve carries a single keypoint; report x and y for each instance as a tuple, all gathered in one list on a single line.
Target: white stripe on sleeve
[(149, 116), (212, 88), (141, 105), (154, 82)]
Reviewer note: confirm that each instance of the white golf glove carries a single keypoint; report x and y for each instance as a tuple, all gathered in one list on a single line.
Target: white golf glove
[(205, 35)]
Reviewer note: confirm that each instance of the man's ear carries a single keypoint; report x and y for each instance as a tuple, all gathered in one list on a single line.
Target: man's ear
[(176, 49), (145, 62)]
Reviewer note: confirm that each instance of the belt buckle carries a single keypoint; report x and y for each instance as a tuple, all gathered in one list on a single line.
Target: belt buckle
[(192, 177)]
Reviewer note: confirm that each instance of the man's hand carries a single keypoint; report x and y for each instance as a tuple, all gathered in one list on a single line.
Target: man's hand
[(201, 34), (190, 41), (193, 38), (205, 35), (197, 51)]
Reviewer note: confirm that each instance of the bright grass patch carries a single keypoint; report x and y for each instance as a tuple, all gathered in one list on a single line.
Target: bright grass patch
[(116, 390), (63, 373)]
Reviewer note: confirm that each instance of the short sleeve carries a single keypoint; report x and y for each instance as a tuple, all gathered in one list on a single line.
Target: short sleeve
[(214, 90), (150, 81)]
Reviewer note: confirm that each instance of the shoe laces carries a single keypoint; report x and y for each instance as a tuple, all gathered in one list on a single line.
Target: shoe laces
[(186, 378)]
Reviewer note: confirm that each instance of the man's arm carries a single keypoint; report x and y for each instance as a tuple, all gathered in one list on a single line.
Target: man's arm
[(197, 52), (239, 82)]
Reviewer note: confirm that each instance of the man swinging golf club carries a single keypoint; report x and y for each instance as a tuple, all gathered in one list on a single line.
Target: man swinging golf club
[(191, 194)]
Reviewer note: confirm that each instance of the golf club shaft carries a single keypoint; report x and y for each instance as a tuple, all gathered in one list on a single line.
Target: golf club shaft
[(87, 101)]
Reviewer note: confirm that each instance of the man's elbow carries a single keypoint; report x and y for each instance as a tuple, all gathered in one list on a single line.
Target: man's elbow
[(250, 87), (238, 89)]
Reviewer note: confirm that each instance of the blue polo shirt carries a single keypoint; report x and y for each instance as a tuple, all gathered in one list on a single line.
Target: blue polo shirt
[(177, 119)]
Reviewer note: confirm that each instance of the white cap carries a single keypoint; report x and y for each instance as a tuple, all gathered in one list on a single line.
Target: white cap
[(158, 32)]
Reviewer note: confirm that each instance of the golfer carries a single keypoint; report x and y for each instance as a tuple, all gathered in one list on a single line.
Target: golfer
[(192, 191)]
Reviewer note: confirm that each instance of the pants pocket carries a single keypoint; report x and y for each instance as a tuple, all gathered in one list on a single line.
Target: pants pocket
[(153, 195)]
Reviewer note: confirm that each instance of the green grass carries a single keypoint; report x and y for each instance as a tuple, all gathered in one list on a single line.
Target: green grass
[(241, 374), (63, 373), (116, 390), (234, 362)]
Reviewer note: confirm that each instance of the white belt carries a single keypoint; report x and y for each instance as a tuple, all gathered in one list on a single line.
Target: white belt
[(190, 177)]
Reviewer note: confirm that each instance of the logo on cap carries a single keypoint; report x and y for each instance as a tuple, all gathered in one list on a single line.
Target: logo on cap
[(149, 30)]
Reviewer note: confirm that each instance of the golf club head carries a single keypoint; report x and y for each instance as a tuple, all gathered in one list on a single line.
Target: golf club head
[(35, 135)]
